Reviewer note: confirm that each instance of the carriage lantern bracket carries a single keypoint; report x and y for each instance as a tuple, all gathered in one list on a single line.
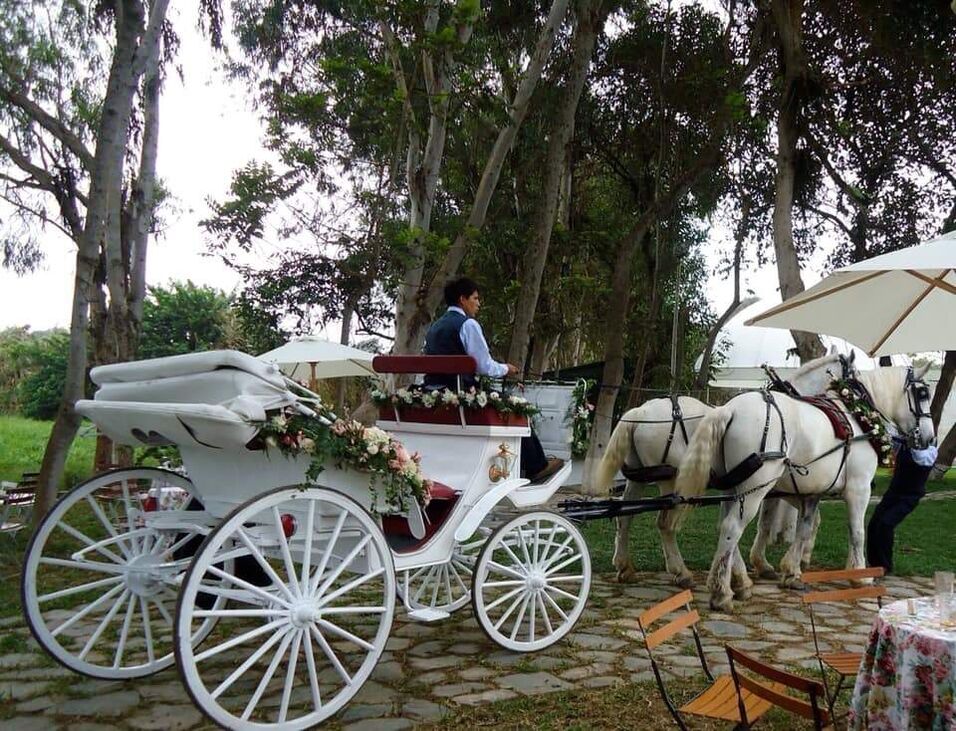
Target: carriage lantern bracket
[(501, 463)]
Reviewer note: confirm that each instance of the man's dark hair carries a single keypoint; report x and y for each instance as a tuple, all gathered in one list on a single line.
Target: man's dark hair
[(461, 287)]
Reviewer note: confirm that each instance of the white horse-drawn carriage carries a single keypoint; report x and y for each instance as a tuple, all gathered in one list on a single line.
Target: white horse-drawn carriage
[(272, 592)]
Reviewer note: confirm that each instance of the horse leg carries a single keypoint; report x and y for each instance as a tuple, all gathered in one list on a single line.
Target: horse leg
[(811, 541), (766, 524), (790, 565), (673, 560), (732, 523), (622, 556), (857, 496), (740, 581)]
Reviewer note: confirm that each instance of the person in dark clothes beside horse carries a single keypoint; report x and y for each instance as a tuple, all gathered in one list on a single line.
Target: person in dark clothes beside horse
[(907, 488), (457, 332)]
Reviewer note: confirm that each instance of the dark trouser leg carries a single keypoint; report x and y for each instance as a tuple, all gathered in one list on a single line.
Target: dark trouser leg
[(532, 456), (906, 489)]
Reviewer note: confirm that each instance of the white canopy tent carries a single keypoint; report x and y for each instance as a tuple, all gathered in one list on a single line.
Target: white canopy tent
[(311, 359)]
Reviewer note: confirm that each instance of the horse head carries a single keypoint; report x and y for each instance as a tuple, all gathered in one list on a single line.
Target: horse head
[(903, 397), (815, 376)]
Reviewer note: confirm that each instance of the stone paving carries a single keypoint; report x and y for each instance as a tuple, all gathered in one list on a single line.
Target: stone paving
[(428, 670)]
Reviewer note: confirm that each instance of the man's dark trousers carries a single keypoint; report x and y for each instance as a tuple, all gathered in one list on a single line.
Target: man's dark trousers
[(907, 487)]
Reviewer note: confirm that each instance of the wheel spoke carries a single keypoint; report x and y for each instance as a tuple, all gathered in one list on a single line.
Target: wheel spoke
[(249, 662), (147, 628), (270, 671), (286, 554), (293, 661), (531, 616), (98, 512), (524, 547), (351, 585), (457, 574), (507, 582), (514, 558), (504, 617), (567, 562), (555, 606), (129, 510), (354, 610), (78, 589), (343, 565), (202, 613), (330, 654), (103, 623), (124, 632), (544, 614), (504, 597), (424, 584), (244, 637), (437, 579), (561, 579), (89, 542), (329, 550), (262, 593), (307, 550), (345, 634), (520, 617), (68, 563), (561, 592), (266, 566), (506, 570), (557, 553), (87, 609), (163, 611), (537, 540), (448, 570), (310, 663)]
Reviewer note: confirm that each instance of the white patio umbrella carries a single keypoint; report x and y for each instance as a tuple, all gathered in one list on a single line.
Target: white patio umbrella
[(901, 302), (312, 359)]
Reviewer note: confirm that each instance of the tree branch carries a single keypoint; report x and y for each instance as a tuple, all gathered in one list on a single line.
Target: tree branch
[(20, 205)]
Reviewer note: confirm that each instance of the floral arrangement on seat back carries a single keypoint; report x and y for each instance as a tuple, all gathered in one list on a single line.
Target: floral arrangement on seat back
[(395, 471), (471, 398), (581, 416)]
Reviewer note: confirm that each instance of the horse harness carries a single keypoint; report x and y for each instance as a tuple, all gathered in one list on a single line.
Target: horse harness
[(661, 471)]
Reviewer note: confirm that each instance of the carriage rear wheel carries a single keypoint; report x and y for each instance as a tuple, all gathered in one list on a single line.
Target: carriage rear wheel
[(99, 582), (301, 636), (531, 581), (445, 587)]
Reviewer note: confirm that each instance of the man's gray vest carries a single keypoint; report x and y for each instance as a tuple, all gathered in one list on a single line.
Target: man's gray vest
[(444, 338)]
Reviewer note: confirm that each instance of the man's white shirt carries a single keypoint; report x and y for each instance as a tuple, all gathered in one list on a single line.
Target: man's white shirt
[(473, 340)]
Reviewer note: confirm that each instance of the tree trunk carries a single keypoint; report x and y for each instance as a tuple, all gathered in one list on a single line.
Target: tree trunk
[(344, 336), (591, 19), (412, 326), (649, 337), (106, 179), (788, 16)]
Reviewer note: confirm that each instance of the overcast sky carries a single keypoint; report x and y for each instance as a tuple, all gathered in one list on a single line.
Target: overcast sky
[(208, 129)]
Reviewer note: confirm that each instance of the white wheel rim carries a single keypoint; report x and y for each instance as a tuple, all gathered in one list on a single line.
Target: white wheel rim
[(99, 588), (531, 581), (447, 586), (294, 647)]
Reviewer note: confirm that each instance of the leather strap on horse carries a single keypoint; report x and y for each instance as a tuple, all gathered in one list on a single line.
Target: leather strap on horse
[(677, 417)]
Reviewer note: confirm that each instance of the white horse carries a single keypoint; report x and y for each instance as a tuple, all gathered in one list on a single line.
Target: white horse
[(800, 447), (653, 434)]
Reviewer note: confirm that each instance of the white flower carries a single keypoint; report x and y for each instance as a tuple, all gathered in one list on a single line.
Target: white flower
[(450, 397), (429, 400), (482, 399), (308, 445), (280, 422), (518, 400), (372, 449), (271, 442), (494, 396), (374, 435), (845, 392), (876, 429)]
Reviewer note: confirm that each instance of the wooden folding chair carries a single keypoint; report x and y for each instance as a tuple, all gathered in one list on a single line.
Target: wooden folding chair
[(719, 699), (774, 692), (844, 664)]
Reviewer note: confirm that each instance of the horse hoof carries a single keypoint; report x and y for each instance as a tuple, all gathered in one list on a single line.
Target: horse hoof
[(685, 582), (768, 573), (743, 594), (793, 583), (722, 605), (626, 576)]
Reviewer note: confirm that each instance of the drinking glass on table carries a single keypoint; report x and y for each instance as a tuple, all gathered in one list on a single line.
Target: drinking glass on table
[(943, 581)]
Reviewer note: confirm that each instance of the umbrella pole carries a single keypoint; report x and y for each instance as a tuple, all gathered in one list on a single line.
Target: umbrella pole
[(313, 382)]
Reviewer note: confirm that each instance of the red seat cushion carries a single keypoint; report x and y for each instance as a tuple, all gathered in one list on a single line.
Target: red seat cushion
[(444, 499)]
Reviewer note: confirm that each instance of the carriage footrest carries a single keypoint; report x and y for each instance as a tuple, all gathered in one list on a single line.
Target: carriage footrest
[(426, 614)]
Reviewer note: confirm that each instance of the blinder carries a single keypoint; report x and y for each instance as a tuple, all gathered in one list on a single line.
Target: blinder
[(917, 394)]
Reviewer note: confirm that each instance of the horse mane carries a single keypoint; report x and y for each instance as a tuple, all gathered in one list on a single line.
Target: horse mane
[(885, 383), (814, 364)]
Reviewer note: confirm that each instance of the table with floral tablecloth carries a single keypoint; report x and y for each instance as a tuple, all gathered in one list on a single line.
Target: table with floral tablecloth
[(908, 674)]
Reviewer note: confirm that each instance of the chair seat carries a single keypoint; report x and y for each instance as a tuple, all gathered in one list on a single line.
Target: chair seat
[(845, 663), (720, 701)]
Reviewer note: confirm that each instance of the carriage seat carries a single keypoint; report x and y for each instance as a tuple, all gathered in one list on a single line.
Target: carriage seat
[(397, 531)]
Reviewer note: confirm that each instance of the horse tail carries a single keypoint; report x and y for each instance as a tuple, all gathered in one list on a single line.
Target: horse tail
[(615, 455), (694, 471)]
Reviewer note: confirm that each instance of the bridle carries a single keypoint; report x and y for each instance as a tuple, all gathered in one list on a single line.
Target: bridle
[(917, 393)]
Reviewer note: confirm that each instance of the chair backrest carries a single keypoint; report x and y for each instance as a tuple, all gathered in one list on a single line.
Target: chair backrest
[(463, 365), (875, 591), (823, 577), (687, 618), (814, 689)]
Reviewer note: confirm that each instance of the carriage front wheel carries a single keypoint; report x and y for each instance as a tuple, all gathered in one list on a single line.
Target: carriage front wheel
[(304, 630), (531, 581)]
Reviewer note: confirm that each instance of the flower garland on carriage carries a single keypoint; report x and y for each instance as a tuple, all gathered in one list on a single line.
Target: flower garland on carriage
[(471, 398)]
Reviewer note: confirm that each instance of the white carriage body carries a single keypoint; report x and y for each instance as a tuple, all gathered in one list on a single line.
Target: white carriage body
[(205, 403)]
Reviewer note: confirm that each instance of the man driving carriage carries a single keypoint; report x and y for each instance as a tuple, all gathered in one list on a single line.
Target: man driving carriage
[(457, 332)]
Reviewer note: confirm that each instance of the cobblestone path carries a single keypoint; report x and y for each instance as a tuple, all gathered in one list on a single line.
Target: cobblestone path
[(429, 669)]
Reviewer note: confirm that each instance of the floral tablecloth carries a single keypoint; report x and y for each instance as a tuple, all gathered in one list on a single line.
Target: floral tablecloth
[(908, 674)]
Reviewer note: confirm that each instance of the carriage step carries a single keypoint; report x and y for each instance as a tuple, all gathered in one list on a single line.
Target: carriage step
[(426, 614)]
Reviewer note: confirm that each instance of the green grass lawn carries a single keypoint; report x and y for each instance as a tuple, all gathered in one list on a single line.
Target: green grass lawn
[(22, 442)]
